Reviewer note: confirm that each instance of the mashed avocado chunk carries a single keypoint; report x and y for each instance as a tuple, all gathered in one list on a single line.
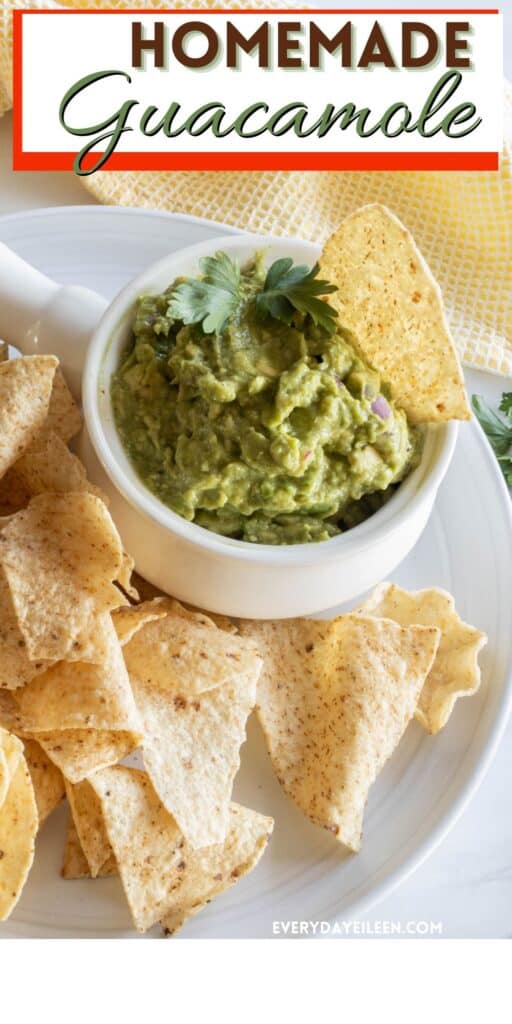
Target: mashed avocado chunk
[(265, 431)]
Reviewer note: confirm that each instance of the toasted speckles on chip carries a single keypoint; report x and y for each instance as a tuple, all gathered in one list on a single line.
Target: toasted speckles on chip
[(131, 618), (16, 668), (455, 672), (213, 869), (74, 862), (60, 556), (80, 752), (63, 413), (76, 695), (334, 699), (201, 658), (392, 309), (47, 780), (161, 874), (49, 466), (88, 819), (191, 736), (18, 829), (25, 389), (13, 494), (10, 717)]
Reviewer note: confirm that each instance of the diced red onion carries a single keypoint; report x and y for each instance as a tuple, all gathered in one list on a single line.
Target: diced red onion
[(381, 408)]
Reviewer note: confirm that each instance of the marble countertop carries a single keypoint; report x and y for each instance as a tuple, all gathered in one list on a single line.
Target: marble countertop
[(467, 882)]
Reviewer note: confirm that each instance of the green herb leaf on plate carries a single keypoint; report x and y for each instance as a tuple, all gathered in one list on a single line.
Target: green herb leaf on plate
[(506, 404), (497, 430)]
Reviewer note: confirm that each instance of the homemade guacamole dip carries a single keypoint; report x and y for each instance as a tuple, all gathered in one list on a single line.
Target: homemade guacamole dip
[(266, 428)]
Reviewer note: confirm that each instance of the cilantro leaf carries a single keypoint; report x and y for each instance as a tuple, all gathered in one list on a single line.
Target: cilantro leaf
[(506, 404), (497, 430), (221, 272), (290, 288), (211, 300)]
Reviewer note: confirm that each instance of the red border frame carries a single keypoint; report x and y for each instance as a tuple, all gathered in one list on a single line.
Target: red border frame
[(208, 160)]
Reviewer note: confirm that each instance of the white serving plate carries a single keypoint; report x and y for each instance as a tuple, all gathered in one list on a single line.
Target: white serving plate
[(466, 548)]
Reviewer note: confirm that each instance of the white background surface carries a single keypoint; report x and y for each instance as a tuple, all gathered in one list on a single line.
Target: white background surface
[(467, 883)]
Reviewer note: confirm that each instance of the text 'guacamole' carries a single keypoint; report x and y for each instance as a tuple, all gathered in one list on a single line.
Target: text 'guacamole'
[(269, 429)]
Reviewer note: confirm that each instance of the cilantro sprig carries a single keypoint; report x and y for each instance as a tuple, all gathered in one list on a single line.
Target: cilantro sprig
[(498, 429), (290, 288), (287, 289)]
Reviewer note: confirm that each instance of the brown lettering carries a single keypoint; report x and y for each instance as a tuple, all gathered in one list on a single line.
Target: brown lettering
[(376, 50), (454, 44), (178, 41), (318, 40), (285, 44), (139, 44), (410, 29), (235, 40)]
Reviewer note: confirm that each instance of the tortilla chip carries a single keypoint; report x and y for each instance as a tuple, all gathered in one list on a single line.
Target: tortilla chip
[(63, 413), (124, 577), (80, 752), (392, 309), (169, 605), (10, 717), (25, 388), (212, 870), (11, 750), (49, 466), (47, 780), (192, 738), (60, 556), (74, 863), (161, 874), (202, 656), (4, 351), (93, 645), (209, 618), (147, 592), (76, 695), (334, 699), (13, 494), (5, 775), (87, 816), (212, 619), (455, 672), (16, 668), (131, 618), (18, 828)]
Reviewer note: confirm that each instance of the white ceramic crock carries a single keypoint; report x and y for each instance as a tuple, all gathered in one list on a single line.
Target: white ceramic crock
[(216, 573)]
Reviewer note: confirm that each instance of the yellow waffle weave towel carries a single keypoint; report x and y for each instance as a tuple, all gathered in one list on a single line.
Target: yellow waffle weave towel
[(461, 221)]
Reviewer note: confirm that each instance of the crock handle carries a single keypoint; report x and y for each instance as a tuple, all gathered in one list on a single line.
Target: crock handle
[(39, 316)]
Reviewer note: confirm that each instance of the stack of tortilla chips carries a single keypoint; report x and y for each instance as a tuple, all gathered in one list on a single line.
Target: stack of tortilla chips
[(335, 698), (87, 678), (89, 672)]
